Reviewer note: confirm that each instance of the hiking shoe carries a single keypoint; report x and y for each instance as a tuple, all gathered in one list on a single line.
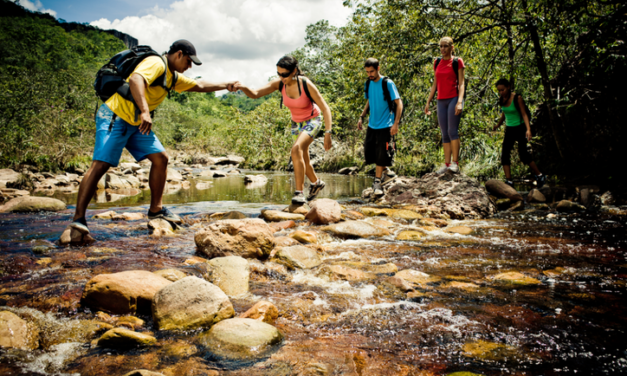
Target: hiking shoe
[(299, 198), (314, 189), (165, 214), (376, 187), (442, 169), (540, 181), (80, 225), (388, 175), (454, 167)]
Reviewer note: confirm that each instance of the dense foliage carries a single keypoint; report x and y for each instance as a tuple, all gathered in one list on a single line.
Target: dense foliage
[(563, 56)]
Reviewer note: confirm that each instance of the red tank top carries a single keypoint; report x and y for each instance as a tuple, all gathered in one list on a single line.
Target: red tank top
[(301, 106)]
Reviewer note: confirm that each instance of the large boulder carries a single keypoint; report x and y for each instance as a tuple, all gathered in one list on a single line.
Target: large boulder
[(248, 238), (230, 274), (26, 204), (355, 229), (500, 189), (241, 340), (324, 211), (459, 196), (125, 292), (12, 179), (280, 216), (298, 257), (190, 303), (16, 333)]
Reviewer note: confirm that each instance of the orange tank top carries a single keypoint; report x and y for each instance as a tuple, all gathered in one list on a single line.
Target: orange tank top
[(301, 106)]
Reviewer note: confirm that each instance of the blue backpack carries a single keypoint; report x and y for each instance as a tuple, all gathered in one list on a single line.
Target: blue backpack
[(111, 78)]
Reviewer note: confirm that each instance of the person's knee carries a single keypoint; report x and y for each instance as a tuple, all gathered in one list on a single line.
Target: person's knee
[(296, 150), (99, 167), (159, 159)]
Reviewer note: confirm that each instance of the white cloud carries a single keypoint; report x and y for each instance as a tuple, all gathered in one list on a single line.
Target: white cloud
[(36, 6), (235, 39)]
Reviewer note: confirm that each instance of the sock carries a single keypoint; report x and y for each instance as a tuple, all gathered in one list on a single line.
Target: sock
[(377, 180), (81, 221), (457, 163), (447, 164), (297, 192)]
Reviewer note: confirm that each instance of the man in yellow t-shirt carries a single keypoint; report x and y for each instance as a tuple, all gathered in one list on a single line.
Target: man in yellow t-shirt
[(121, 124)]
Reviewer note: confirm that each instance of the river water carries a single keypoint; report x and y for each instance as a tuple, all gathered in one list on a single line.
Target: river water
[(573, 321)]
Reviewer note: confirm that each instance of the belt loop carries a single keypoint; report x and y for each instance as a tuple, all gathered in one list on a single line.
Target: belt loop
[(112, 121)]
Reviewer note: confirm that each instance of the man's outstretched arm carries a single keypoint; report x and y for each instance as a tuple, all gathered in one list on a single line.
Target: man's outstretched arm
[(208, 87)]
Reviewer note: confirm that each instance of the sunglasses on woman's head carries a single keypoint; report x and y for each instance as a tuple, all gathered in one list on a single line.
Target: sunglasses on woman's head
[(284, 75)]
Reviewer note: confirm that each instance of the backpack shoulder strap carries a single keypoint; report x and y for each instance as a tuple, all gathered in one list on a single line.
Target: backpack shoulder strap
[(456, 66), (367, 87), (386, 94), (437, 62), (281, 93), (306, 90)]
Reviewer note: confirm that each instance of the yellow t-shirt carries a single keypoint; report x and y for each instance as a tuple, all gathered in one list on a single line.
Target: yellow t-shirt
[(150, 68)]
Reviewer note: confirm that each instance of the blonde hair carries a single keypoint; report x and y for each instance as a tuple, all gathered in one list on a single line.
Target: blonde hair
[(448, 41)]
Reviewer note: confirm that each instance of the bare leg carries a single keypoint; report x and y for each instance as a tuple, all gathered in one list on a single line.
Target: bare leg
[(309, 170), (534, 168), (455, 144), (447, 152), (157, 179), (300, 147), (508, 174), (88, 187), (379, 171)]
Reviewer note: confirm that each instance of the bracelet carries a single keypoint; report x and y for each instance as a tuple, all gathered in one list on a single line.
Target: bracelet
[(328, 132)]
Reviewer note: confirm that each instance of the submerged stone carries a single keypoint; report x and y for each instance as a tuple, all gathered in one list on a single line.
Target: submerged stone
[(298, 257), (484, 350), (355, 229), (462, 230), (409, 235), (241, 340), (516, 278), (120, 338)]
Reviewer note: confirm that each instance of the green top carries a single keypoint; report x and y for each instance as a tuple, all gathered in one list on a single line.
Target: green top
[(512, 116)]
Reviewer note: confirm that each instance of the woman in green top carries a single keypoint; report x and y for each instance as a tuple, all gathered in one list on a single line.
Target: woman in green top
[(517, 129)]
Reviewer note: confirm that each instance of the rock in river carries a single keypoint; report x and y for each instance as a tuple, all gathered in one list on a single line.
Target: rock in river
[(248, 238), (355, 229), (324, 211), (230, 274), (262, 311), (278, 216), (125, 292), (241, 340), (26, 204), (120, 338), (459, 196), (502, 190), (190, 303), (16, 333), (298, 257)]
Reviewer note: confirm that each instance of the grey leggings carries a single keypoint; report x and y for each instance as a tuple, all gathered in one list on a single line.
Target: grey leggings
[(449, 122)]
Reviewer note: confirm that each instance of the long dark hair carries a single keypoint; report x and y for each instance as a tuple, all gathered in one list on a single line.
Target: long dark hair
[(290, 63), (504, 82)]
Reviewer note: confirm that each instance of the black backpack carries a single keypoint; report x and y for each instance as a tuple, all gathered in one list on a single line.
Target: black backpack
[(111, 78), (526, 109), (386, 96), (455, 69), (305, 88)]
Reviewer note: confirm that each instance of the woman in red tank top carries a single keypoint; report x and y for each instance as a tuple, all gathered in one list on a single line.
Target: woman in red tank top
[(303, 99)]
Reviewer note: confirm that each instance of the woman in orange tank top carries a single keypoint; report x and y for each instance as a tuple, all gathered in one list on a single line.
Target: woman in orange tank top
[(303, 99)]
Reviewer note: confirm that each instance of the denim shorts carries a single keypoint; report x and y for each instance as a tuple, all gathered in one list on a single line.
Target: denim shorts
[(110, 143), (312, 127)]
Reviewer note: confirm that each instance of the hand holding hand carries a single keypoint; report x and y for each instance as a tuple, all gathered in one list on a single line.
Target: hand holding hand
[(146, 124), (233, 86), (327, 142), (458, 108), (394, 130)]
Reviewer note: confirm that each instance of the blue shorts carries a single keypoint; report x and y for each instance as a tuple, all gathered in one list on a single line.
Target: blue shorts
[(109, 144)]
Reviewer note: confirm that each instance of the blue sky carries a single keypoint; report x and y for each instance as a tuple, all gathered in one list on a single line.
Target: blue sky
[(89, 10)]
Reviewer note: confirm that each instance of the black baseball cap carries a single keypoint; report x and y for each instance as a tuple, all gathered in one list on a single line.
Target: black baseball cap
[(188, 49)]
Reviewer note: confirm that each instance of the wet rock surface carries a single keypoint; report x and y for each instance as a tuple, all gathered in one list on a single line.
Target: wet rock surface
[(242, 340), (248, 238), (441, 303), (459, 196)]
